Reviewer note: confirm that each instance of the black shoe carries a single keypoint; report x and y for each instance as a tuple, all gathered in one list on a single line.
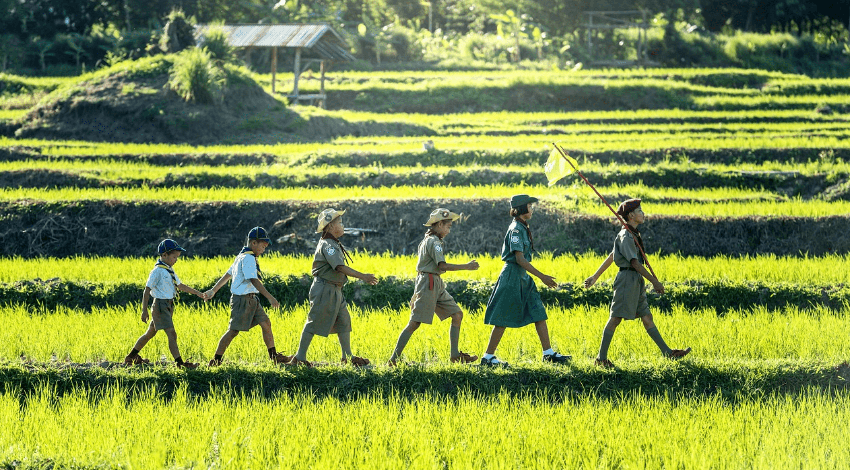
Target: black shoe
[(493, 362), (557, 358)]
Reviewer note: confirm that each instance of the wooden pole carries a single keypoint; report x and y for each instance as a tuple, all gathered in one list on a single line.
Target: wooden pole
[(274, 67), (297, 71), (322, 82)]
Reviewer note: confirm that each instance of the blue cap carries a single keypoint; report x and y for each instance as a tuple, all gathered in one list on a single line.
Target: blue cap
[(259, 233), (169, 245)]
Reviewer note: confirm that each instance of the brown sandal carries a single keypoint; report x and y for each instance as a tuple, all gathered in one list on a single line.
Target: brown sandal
[(298, 362), (678, 353), (135, 360), (464, 358), (357, 361), (279, 358), (604, 363)]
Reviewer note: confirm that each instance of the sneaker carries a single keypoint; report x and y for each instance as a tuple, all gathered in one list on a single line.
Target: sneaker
[(678, 353), (298, 362), (356, 361), (557, 358), (493, 362), (188, 365), (135, 360), (279, 358), (464, 358), (215, 362), (603, 363)]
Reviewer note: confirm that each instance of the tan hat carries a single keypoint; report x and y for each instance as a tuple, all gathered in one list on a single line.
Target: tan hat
[(441, 214), (327, 216)]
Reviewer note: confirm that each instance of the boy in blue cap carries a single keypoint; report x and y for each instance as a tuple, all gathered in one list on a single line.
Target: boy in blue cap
[(162, 285), (245, 309)]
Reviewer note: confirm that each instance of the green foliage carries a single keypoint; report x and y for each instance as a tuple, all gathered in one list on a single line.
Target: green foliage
[(215, 43), (178, 33), (196, 78)]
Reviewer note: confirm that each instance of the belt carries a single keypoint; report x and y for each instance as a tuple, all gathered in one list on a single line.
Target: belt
[(430, 279), (325, 281), (628, 269)]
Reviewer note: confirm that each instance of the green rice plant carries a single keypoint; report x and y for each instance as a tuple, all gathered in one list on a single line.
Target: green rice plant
[(194, 77), (752, 334), (102, 429)]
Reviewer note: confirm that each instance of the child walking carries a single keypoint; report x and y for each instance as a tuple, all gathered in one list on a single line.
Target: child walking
[(515, 301), (162, 285), (629, 301), (429, 293), (245, 309), (328, 309)]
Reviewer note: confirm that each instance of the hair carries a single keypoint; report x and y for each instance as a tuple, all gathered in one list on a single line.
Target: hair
[(518, 211), (168, 252)]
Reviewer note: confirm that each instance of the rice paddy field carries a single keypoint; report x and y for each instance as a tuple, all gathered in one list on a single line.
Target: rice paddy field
[(744, 176)]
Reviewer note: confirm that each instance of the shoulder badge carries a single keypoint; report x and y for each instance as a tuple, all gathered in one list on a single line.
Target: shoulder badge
[(438, 247), (514, 239), (330, 250)]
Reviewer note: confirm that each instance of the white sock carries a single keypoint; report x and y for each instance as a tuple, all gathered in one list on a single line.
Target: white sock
[(489, 356), (549, 352)]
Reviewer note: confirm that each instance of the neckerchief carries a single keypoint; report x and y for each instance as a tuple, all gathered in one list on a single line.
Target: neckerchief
[(162, 264), (528, 229), (327, 236), (246, 249), (638, 240)]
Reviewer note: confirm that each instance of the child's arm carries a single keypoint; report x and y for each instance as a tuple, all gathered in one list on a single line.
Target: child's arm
[(367, 278), (210, 293), (265, 293), (602, 268), (649, 277), (185, 288), (470, 266), (146, 298), (548, 280)]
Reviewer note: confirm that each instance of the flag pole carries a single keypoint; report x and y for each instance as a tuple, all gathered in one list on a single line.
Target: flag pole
[(620, 219)]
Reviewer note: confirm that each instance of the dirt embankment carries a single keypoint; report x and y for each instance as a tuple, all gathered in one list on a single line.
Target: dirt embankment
[(218, 228)]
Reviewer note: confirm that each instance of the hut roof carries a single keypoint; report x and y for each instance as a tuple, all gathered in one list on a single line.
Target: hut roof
[(320, 38)]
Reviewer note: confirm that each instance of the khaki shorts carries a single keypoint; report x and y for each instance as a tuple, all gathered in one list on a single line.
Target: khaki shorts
[(246, 312), (427, 301), (629, 300), (161, 313), (328, 310)]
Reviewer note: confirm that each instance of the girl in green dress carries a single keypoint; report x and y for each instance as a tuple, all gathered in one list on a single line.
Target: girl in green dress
[(515, 301)]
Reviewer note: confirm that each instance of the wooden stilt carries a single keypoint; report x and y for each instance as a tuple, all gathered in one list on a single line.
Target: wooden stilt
[(274, 67)]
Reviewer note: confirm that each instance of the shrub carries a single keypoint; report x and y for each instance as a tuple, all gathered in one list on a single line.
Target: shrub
[(215, 42), (195, 77), (178, 33)]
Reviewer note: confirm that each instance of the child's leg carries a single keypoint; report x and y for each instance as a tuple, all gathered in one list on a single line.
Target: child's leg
[(403, 338), (454, 333), (345, 344), (607, 335), (268, 336), (306, 338), (224, 342), (495, 338), (543, 334), (653, 333), (143, 340), (172, 343)]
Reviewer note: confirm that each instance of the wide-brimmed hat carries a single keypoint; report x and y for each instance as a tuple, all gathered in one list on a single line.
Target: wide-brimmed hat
[(327, 216), (518, 200), (168, 245), (628, 206), (441, 214), (259, 233)]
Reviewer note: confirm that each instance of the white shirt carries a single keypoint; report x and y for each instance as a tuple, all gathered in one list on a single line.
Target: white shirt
[(161, 285), (243, 270)]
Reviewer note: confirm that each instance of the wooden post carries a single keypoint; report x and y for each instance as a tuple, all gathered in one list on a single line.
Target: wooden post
[(274, 67), (297, 71), (322, 82)]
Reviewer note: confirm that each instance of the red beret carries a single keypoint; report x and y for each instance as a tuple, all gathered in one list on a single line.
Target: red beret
[(628, 206)]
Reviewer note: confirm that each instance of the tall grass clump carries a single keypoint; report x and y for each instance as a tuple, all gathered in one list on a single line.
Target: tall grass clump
[(195, 77), (215, 43)]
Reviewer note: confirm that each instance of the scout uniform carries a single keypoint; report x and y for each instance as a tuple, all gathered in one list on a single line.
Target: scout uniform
[(163, 282), (515, 301), (245, 309), (328, 309), (429, 292), (629, 300)]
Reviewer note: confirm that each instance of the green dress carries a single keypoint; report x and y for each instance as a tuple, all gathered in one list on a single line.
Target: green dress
[(515, 301)]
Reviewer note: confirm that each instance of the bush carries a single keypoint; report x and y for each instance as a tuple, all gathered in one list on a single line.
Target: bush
[(178, 33), (195, 77), (215, 43)]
